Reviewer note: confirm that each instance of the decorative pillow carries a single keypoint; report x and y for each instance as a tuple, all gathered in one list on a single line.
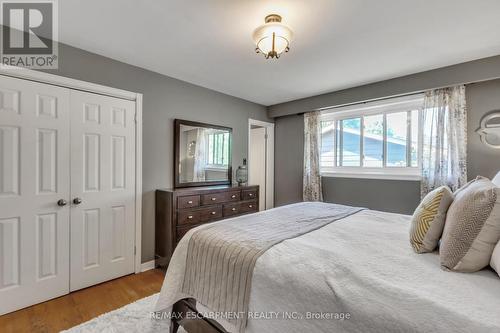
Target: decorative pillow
[(428, 220), (496, 180), (495, 259), (472, 227)]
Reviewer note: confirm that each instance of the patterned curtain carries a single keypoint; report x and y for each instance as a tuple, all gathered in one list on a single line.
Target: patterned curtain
[(444, 144), (312, 178)]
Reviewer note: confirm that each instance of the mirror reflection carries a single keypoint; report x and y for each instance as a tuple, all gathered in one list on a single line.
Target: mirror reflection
[(204, 154)]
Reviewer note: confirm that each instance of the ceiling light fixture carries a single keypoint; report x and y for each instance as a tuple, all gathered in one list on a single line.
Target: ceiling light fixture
[(272, 38)]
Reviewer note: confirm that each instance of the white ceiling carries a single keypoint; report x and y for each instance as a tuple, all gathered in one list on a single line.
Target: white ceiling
[(338, 43)]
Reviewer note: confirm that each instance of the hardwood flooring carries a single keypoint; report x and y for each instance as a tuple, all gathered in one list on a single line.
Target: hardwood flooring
[(82, 305)]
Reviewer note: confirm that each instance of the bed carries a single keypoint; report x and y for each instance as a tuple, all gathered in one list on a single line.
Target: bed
[(355, 274)]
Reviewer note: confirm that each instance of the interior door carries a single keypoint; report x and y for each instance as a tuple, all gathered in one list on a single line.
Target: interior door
[(102, 187), (257, 167), (34, 178)]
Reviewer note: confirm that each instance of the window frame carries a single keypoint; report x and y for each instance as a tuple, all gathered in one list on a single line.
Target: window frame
[(216, 167), (388, 106)]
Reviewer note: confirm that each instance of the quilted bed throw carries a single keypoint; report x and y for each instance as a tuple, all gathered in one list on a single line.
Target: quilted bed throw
[(221, 257)]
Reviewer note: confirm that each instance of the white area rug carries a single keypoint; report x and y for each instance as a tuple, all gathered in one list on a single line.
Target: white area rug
[(134, 317)]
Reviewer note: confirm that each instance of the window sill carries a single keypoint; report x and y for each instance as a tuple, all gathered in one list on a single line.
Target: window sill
[(372, 175), (212, 168)]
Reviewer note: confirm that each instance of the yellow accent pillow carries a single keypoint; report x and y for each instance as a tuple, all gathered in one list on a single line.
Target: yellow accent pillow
[(428, 220)]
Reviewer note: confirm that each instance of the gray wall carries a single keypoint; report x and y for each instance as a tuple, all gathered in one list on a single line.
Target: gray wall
[(288, 159), (165, 98), (482, 98), (473, 71), (387, 195), (398, 196)]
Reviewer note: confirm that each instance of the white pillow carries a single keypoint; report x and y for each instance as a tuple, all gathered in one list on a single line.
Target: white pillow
[(496, 180), (495, 259)]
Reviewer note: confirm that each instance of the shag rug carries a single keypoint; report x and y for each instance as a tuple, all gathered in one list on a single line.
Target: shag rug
[(134, 317)]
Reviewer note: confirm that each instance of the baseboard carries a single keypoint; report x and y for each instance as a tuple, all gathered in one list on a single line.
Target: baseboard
[(146, 266)]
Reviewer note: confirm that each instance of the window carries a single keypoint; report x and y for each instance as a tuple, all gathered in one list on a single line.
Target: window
[(373, 140), (218, 149)]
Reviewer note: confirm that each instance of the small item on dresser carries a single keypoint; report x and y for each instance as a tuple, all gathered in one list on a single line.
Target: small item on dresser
[(242, 173), (472, 227), (428, 220)]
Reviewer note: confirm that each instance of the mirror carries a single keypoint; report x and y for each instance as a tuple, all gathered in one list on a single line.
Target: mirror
[(202, 154)]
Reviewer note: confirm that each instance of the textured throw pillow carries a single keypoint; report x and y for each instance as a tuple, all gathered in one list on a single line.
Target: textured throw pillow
[(428, 220), (472, 227), (495, 259)]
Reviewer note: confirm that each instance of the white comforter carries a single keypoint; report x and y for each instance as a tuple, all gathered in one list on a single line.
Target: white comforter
[(362, 266)]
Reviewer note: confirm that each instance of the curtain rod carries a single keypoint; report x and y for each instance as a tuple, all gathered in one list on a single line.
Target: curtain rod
[(419, 92), (326, 108)]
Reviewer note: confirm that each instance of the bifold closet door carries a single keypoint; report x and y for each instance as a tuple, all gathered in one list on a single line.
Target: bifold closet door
[(102, 187), (34, 193)]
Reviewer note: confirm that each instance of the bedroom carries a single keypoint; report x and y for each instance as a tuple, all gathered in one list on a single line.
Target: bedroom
[(136, 136)]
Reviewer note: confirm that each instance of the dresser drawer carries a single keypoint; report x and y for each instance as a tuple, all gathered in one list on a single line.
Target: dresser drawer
[(232, 209), (233, 196), (210, 213), (188, 201), (213, 198), (188, 216), (249, 206), (249, 194)]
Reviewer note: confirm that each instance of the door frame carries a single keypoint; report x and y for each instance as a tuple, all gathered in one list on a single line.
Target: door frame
[(65, 82), (269, 157)]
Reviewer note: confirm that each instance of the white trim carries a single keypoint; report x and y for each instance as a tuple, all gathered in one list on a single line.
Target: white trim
[(261, 123), (138, 182), (403, 173), (371, 175), (147, 266), (61, 81), (269, 157), (395, 101), (377, 107)]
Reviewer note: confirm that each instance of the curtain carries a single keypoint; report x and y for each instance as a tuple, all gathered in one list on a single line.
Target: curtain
[(444, 144), (312, 178), (200, 160)]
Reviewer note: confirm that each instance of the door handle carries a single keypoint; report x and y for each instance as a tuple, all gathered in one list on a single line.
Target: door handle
[(62, 203), (77, 201)]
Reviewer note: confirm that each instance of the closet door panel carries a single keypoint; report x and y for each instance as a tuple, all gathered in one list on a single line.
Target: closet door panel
[(34, 176), (103, 179)]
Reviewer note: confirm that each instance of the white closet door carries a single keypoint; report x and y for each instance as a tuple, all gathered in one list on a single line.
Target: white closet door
[(34, 176), (103, 179)]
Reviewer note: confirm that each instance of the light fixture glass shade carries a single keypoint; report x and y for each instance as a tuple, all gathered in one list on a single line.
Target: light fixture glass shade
[(273, 37)]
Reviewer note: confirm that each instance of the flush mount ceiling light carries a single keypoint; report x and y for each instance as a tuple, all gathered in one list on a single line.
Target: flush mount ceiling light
[(272, 38)]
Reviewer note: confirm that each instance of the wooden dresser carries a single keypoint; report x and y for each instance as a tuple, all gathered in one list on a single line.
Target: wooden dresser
[(179, 210)]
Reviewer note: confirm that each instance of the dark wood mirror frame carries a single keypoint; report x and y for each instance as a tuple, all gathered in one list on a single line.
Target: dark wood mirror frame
[(177, 132)]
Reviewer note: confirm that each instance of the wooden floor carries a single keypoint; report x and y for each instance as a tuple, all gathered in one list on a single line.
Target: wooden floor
[(70, 310)]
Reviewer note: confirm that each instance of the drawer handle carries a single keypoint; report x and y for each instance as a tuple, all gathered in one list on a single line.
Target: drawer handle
[(190, 217), (213, 213), (250, 206), (190, 201), (250, 194), (213, 199), (233, 209), (233, 196)]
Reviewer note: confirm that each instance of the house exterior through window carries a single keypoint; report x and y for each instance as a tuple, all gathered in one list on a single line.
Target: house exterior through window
[(372, 140)]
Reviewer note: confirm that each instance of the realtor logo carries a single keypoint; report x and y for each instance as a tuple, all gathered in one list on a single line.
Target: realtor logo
[(29, 34)]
